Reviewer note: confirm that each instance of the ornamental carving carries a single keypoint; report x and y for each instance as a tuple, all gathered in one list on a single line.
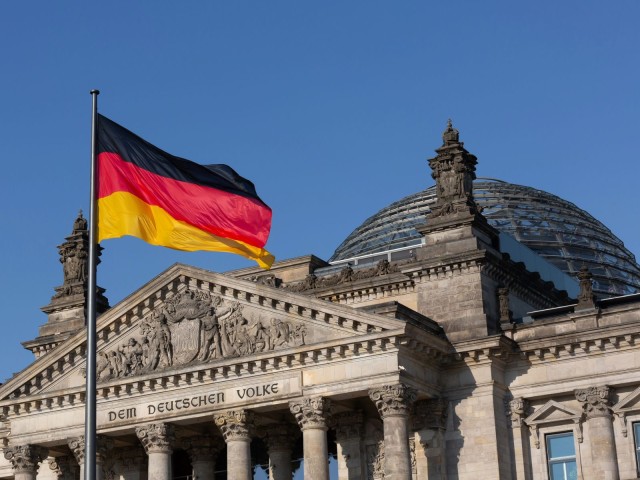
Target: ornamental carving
[(430, 414), (279, 437), (201, 448), (375, 461), (64, 467), (156, 437), (103, 446), (235, 425), (515, 410), (346, 275), (595, 401), (586, 298), (25, 458), (393, 400), (454, 170), (195, 327), (269, 280), (503, 301), (311, 412), (347, 425)]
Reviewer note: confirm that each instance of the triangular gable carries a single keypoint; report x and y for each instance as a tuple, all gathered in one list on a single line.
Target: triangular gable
[(629, 404), (186, 316), (551, 413)]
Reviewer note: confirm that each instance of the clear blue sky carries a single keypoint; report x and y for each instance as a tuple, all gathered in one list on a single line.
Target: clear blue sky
[(331, 108)]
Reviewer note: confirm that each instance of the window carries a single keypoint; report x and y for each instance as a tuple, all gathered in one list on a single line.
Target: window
[(636, 438), (561, 456)]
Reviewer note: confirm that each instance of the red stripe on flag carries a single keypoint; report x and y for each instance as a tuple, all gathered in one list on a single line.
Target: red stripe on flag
[(215, 211)]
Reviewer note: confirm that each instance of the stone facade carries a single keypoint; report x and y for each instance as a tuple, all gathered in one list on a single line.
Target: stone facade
[(455, 363)]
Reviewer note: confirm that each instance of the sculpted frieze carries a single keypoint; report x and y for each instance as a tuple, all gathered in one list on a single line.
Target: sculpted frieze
[(344, 276), (193, 327)]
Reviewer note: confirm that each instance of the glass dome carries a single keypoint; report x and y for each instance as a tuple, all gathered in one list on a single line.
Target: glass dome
[(565, 235)]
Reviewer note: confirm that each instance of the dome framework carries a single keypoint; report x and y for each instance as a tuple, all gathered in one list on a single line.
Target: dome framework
[(557, 230)]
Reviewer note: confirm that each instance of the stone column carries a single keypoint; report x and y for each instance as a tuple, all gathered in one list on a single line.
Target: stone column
[(311, 415), (202, 451), (519, 439), (429, 423), (103, 446), (393, 403), (25, 459), (65, 467), (279, 439), (595, 402), (237, 427), (157, 440), (348, 428)]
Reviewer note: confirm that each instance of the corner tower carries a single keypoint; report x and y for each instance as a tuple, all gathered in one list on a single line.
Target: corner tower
[(66, 312), (461, 268)]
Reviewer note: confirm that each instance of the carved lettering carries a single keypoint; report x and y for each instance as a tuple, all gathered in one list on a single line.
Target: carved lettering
[(122, 414), (258, 391)]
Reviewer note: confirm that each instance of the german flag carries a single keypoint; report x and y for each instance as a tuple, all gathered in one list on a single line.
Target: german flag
[(172, 202)]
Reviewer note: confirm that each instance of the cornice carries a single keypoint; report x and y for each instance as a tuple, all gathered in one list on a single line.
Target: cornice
[(125, 315), (225, 369)]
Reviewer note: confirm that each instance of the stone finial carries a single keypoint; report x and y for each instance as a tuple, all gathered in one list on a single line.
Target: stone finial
[(453, 169), (235, 425), (430, 414), (515, 410), (451, 135), (156, 437), (25, 458), (311, 412), (393, 400), (80, 224), (586, 298), (595, 401)]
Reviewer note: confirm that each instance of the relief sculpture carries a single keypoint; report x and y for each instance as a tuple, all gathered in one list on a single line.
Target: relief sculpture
[(196, 327)]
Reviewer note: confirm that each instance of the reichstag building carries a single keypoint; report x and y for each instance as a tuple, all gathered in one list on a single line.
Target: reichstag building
[(474, 330)]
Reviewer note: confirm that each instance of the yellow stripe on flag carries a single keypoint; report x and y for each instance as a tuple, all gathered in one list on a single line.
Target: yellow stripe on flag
[(122, 213)]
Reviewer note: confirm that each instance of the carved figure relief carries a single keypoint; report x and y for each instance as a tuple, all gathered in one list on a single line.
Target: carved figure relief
[(346, 275), (453, 169), (195, 327)]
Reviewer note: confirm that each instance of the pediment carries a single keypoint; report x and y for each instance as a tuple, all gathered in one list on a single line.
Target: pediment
[(553, 412), (189, 317), (629, 403)]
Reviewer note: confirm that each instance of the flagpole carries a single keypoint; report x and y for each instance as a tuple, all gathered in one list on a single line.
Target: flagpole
[(90, 393)]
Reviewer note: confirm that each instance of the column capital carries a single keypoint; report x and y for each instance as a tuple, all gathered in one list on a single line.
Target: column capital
[(64, 466), (430, 414), (25, 458), (311, 412), (279, 437), (202, 448), (235, 425), (103, 445), (594, 400), (393, 400), (131, 457), (515, 410), (156, 437), (347, 425)]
